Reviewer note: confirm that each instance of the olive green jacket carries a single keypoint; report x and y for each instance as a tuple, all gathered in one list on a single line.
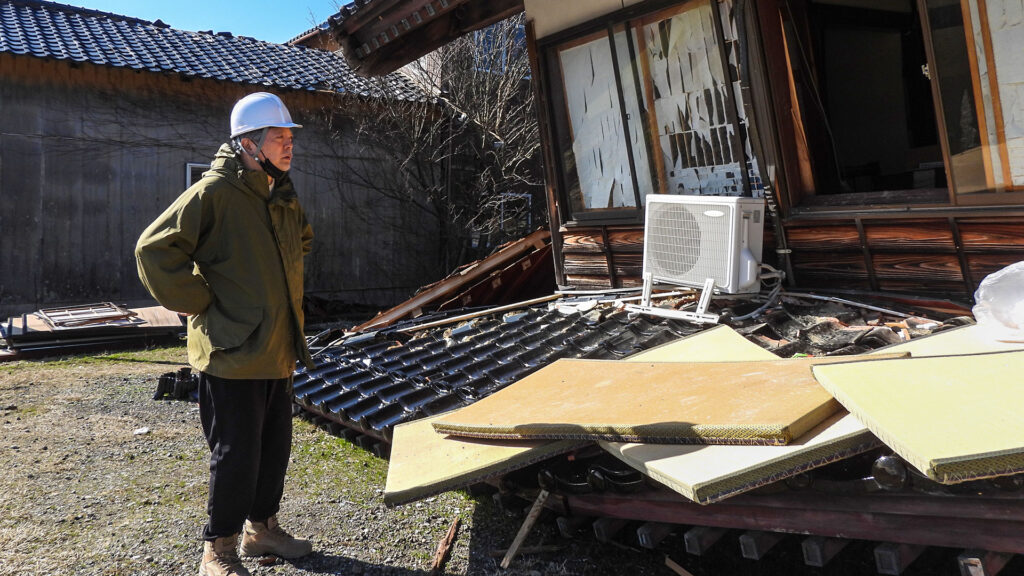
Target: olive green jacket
[(228, 252)]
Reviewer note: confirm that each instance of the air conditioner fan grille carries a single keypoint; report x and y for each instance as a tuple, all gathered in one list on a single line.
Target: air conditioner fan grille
[(680, 238)]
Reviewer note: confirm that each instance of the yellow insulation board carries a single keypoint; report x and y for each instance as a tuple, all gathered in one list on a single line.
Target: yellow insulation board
[(955, 418)]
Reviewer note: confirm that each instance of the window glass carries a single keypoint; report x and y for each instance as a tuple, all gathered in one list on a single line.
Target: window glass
[(957, 85)]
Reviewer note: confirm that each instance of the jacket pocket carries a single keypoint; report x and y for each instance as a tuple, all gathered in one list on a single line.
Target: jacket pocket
[(230, 326)]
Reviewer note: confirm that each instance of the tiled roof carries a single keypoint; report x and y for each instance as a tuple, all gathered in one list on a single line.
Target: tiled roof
[(374, 380), (51, 30)]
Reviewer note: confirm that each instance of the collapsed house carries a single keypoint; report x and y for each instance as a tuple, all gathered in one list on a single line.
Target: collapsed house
[(869, 153)]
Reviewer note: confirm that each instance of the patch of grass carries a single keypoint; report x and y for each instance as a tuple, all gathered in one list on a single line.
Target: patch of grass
[(325, 465)]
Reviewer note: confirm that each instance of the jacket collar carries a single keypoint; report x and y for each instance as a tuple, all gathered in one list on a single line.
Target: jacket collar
[(228, 164)]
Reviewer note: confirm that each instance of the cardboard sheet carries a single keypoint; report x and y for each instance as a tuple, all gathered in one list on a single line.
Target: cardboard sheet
[(955, 418), (764, 402), (424, 462)]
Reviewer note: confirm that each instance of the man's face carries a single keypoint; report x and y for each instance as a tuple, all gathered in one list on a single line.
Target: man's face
[(277, 147)]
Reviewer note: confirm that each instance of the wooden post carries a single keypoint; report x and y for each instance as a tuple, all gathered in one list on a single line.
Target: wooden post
[(651, 533), (982, 562), (700, 538), (818, 550), (754, 544), (535, 511), (675, 567), (893, 559)]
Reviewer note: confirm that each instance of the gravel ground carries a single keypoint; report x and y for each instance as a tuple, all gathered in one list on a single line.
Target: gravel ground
[(101, 479)]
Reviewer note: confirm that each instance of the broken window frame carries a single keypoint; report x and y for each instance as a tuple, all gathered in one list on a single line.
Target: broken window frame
[(804, 199), (632, 21)]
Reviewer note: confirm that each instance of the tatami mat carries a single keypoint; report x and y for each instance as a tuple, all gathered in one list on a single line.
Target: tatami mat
[(762, 402), (424, 462), (707, 474), (955, 418)]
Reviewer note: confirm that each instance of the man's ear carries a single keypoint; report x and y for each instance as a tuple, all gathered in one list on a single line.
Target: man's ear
[(249, 146)]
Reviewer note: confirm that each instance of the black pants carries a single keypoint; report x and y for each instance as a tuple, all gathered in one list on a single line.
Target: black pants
[(248, 425)]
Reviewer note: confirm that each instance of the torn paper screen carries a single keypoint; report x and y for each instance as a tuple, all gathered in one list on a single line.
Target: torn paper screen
[(599, 145)]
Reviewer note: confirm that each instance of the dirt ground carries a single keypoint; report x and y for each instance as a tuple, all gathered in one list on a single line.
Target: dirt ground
[(99, 478)]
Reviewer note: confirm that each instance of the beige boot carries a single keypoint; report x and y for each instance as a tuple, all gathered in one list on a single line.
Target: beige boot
[(221, 559), (260, 538)]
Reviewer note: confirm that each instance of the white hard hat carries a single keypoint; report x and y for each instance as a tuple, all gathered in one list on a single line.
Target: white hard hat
[(257, 111)]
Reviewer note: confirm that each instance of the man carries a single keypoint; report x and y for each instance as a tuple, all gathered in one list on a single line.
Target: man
[(228, 255)]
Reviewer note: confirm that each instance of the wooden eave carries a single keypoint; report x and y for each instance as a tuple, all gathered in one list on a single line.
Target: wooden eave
[(383, 35)]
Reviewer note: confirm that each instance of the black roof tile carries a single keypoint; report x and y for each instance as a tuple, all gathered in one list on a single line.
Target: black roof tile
[(62, 32)]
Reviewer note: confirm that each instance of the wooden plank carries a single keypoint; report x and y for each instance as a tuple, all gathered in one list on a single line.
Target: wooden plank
[(464, 277), (982, 235), (765, 402), (910, 234), (531, 518), (823, 237), (444, 547), (968, 397), (675, 567)]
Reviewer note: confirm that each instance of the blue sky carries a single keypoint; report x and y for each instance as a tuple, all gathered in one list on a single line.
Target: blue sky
[(278, 21)]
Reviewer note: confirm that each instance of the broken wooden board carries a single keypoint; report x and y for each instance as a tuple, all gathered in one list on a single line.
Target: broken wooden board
[(707, 474), (424, 463), (954, 418), (763, 402)]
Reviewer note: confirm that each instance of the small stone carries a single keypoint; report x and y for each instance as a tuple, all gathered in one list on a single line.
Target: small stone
[(139, 431)]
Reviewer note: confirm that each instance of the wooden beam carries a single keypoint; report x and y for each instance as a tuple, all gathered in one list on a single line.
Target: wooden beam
[(987, 523), (443, 289)]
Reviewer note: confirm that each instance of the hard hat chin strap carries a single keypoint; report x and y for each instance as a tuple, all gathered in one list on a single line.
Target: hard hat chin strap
[(267, 166)]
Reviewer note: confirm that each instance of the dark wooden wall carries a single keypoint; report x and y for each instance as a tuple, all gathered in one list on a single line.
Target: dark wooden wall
[(939, 256), (89, 155), (943, 257)]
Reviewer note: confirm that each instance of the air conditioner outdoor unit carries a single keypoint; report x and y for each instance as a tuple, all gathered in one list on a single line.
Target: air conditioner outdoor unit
[(712, 242), (688, 239)]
